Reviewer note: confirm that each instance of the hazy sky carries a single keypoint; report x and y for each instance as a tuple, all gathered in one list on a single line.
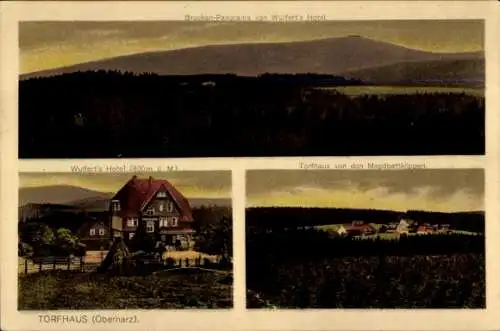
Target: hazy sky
[(193, 184), (48, 45), (429, 189)]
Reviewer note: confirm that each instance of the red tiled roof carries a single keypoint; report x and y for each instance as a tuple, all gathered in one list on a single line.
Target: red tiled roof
[(360, 227), (423, 228), (137, 193)]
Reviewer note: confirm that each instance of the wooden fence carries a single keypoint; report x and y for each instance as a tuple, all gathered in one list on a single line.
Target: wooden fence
[(82, 264), (27, 266)]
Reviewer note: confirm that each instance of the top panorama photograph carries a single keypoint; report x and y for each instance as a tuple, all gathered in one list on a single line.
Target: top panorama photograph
[(180, 89)]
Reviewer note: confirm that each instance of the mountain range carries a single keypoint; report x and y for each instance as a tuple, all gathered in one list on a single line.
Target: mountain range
[(352, 56)]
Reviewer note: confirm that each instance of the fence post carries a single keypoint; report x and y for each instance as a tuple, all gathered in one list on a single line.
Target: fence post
[(40, 266), (69, 262), (81, 263), (54, 263), (25, 266)]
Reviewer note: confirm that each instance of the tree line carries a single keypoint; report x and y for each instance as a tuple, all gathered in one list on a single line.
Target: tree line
[(111, 114), (281, 217), (56, 235)]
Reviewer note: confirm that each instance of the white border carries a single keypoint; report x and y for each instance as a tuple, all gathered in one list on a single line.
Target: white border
[(238, 318)]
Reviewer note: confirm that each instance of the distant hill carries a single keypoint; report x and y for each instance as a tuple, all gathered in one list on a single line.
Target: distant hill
[(442, 72), (56, 194), (327, 56)]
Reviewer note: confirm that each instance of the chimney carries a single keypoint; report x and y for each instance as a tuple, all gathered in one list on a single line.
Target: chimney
[(132, 180), (150, 181)]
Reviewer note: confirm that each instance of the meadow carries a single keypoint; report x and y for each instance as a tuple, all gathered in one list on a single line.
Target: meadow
[(381, 90), (175, 289)]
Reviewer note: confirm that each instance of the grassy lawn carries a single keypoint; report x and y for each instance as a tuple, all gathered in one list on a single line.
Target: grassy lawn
[(184, 288), (385, 90), (328, 227)]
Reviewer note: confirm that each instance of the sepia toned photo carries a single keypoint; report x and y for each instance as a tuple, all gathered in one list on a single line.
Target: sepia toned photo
[(365, 239), (239, 167), (198, 88), (125, 241)]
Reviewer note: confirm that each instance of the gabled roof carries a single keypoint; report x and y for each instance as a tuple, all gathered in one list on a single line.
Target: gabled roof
[(88, 224), (136, 194)]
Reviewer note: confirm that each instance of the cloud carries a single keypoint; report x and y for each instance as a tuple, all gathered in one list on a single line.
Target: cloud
[(435, 190)]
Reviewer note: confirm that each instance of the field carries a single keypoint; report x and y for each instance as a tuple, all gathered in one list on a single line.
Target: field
[(437, 281), (176, 289), (354, 91)]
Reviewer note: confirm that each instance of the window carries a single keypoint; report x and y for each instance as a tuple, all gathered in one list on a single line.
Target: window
[(115, 205), (131, 235), (101, 232), (170, 206), (161, 207), (150, 226), (174, 221), (133, 221), (163, 222), (92, 232), (162, 194), (149, 211)]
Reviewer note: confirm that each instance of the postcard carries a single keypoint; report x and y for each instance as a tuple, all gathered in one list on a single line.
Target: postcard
[(249, 166)]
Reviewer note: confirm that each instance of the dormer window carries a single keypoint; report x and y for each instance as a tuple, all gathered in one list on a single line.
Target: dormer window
[(115, 205), (175, 220), (101, 232), (161, 207), (149, 211), (92, 232), (162, 194)]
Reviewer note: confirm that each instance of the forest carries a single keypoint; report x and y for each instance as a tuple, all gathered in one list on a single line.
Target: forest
[(108, 114)]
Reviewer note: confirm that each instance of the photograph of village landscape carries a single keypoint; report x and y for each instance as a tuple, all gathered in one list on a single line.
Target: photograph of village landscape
[(365, 239), (125, 241), (251, 89)]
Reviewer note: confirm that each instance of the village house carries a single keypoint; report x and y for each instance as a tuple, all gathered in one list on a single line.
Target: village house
[(424, 229), (94, 233), (356, 228), (155, 207), (404, 226)]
